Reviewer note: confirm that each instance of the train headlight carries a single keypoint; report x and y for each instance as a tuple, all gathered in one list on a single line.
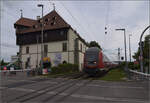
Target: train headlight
[(94, 62)]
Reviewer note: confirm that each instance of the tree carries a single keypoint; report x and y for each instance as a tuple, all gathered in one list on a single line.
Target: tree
[(94, 44), (146, 50), (2, 62)]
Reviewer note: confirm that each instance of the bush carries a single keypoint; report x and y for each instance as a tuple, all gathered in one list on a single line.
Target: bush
[(65, 68), (133, 66)]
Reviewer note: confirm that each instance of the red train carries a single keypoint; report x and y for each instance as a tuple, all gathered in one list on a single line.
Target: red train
[(95, 61)]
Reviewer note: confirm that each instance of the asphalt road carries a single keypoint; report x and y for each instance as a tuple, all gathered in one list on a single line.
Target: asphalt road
[(23, 89)]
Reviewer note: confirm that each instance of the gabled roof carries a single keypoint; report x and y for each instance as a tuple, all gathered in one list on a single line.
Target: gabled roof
[(25, 22), (51, 21)]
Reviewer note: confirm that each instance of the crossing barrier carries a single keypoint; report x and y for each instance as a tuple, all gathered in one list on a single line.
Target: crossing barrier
[(139, 75)]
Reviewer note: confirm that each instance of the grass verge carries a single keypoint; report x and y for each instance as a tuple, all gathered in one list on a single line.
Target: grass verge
[(114, 75)]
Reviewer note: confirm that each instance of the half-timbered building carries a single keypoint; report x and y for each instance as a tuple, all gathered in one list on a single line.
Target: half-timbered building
[(60, 41)]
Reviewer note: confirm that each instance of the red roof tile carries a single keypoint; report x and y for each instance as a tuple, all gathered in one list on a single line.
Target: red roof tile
[(25, 22), (51, 21)]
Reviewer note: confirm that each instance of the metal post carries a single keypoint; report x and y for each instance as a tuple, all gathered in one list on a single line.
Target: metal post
[(126, 65), (37, 50), (130, 47), (40, 5), (68, 45), (126, 68), (149, 57), (119, 55), (141, 51)]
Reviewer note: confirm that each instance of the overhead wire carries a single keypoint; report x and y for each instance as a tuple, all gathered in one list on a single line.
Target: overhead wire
[(106, 22), (111, 54), (8, 13), (6, 46), (90, 25), (74, 18)]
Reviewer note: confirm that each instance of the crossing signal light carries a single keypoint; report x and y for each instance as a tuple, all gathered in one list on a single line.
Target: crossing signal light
[(105, 30), (122, 58)]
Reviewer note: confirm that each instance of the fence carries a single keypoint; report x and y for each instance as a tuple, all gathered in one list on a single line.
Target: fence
[(139, 75)]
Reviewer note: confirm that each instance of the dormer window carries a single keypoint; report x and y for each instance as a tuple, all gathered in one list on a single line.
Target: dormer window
[(35, 26), (39, 21), (54, 18), (46, 20), (53, 23)]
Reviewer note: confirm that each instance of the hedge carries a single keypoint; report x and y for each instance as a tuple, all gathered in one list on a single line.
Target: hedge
[(65, 68)]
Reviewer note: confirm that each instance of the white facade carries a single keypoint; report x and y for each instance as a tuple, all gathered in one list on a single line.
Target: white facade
[(55, 51)]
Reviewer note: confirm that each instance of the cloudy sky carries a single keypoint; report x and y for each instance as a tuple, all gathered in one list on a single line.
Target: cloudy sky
[(89, 18)]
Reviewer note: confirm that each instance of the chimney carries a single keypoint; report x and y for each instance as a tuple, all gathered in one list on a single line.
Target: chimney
[(38, 17)]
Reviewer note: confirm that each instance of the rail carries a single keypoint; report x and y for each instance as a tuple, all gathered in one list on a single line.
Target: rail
[(139, 75)]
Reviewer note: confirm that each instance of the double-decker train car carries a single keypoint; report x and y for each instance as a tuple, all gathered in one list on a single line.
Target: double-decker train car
[(95, 61)]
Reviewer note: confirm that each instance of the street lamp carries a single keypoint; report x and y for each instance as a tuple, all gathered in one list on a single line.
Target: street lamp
[(130, 47), (141, 51), (41, 5), (126, 69)]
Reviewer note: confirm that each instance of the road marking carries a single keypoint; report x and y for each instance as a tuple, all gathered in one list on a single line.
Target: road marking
[(107, 98), (82, 96), (116, 87), (21, 80), (32, 81), (79, 84), (23, 89), (1, 88)]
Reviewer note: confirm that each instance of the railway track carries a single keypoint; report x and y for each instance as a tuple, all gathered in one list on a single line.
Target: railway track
[(67, 88), (28, 96), (26, 82)]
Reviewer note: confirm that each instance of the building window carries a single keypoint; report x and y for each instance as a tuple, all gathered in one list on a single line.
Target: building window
[(35, 26), (45, 50), (64, 45), (45, 35), (44, 24), (40, 25), (81, 47), (61, 32), (39, 21), (27, 50)]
